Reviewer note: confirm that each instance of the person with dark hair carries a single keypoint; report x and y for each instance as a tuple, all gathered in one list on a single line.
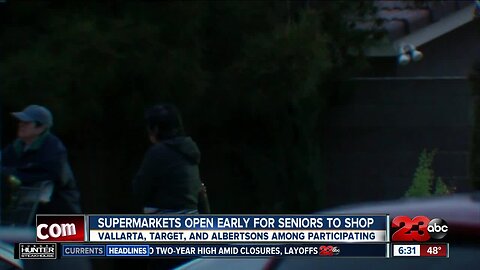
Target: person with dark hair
[(168, 180), (39, 156)]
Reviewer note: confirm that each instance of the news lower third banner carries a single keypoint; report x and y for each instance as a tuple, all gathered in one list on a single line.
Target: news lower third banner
[(211, 235)]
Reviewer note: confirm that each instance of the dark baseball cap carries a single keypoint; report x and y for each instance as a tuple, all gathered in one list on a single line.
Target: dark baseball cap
[(35, 113)]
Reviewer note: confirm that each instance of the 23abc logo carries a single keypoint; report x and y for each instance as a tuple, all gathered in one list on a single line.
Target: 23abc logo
[(328, 250), (419, 229)]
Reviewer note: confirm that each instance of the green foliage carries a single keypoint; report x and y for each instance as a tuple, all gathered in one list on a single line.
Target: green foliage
[(422, 180), (253, 82), (441, 188), (424, 183), (298, 102), (94, 68)]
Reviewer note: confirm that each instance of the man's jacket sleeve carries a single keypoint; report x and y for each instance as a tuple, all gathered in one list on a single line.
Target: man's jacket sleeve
[(54, 167)]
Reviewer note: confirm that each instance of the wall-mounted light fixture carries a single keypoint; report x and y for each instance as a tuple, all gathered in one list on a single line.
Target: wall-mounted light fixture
[(407, 53)]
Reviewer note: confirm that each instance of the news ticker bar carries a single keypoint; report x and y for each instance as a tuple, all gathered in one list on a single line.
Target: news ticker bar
[(57, 250), (374, 250)]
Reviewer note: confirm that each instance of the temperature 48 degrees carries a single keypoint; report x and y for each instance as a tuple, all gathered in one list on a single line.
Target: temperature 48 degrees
[(433, 250)]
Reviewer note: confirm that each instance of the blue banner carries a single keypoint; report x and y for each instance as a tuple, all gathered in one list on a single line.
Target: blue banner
[(128, 250), (239, 222)]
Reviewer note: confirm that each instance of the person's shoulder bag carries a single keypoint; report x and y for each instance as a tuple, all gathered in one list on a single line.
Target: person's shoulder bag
[(203, 203)]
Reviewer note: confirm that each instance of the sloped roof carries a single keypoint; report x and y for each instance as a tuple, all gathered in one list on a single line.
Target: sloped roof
[(415, 22), (401, 18)]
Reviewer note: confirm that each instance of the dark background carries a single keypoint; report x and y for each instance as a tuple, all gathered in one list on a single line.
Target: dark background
[(265, 89), (254, 83)]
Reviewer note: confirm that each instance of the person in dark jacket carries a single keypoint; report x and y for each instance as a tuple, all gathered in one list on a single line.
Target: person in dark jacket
[(37, 156), (168, 180)]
